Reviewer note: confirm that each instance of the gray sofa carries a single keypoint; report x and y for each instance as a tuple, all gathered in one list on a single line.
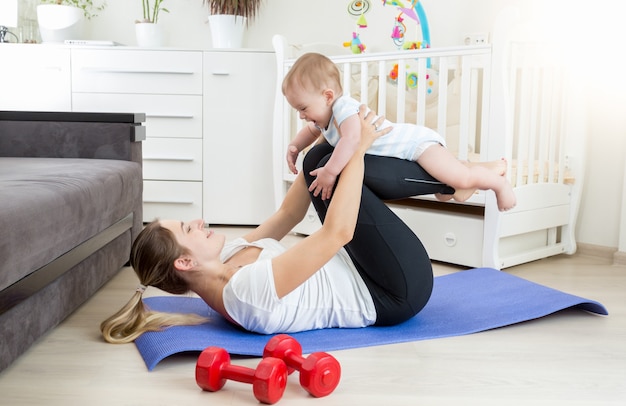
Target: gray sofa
[(70, 207)]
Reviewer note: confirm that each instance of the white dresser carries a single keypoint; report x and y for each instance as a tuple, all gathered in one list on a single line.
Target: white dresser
[(208, 118)]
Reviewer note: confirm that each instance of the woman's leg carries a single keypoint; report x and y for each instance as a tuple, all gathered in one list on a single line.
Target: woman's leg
[(390, 258)]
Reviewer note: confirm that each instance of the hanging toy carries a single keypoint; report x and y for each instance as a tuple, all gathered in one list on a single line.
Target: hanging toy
[(358, 8), (355, 44), (397, 33)]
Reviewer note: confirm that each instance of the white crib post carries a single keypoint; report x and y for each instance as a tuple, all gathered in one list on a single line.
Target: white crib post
[(280, 123)]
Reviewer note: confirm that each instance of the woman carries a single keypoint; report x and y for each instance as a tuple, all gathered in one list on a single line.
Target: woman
[(363, 267)]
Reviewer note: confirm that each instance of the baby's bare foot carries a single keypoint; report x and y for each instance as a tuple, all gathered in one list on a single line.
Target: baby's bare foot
[(506, 197)]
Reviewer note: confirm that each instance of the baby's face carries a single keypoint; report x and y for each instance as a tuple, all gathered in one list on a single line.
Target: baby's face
[(312, 106)]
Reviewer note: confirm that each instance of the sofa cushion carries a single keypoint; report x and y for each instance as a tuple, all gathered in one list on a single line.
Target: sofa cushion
[(52, 205)]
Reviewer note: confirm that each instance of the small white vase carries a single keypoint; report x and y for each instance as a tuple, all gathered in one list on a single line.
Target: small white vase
[(58, 23), (227, 30), (149, 35)]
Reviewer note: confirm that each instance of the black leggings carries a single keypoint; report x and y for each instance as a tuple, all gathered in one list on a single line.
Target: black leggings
[(389, 257)]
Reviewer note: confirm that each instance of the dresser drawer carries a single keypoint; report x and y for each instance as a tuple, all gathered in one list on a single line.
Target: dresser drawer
[(172, 159), (172, 200), (137, 71), (34, 77), (167, 116)]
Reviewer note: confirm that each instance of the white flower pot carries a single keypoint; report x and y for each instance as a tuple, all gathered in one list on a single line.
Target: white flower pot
[(149, 35), (58, 23), (227, 30)]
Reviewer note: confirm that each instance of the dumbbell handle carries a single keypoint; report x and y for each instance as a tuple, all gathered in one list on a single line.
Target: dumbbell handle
[(293, 359), (238, 373)]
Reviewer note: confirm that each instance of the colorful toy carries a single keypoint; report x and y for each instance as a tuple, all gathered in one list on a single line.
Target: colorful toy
[(411, 82), (355, 44), (414, 11), (358, 8), (398, 31), (319, 372)]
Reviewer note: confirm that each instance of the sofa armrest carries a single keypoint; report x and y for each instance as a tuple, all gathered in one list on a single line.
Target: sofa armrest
[(72, 135)]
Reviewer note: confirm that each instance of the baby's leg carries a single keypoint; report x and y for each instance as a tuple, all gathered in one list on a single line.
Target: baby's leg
[(465, 178), (498, 166)]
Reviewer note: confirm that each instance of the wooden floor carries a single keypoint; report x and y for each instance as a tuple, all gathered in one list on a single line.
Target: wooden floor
[(569, 358)]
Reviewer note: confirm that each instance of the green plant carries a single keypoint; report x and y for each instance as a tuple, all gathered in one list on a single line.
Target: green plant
[(90, 9), (244, 8), (151, 14)]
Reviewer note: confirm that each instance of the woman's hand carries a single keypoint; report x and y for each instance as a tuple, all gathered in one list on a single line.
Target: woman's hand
[(370, 128)]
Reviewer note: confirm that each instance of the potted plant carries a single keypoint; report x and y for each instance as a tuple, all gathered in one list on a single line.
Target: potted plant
[(60, 20), (151, 13), (228, 18), (148, 33)]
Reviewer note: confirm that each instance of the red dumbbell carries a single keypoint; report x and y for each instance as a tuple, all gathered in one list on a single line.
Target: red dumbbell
[(319, 372), (268, 380)]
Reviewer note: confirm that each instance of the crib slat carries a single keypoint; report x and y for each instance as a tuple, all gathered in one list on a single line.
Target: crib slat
[(464, 118), (382, 89), (401, 88), (561, 97), (347, 75), (442, 102), (533, 111), (484, 114), (422, 85), (364, 83)]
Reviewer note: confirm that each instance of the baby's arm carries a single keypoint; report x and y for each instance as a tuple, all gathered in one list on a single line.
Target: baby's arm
[(326, 176), (305, 137)]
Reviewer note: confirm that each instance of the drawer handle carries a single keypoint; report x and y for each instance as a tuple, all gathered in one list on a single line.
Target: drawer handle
[(169, 115), (220, 73), (169, 201), (139, 71), (165, 158)]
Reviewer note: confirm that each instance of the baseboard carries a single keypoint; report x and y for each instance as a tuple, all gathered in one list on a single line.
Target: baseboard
[(593, 250), (619, 258)]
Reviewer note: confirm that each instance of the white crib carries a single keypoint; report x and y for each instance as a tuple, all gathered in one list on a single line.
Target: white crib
[(512, 99)]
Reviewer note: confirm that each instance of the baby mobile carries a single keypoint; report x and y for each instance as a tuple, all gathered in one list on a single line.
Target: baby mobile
[(410, 10), (414, 12)]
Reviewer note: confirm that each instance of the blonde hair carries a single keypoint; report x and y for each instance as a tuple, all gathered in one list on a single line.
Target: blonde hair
[(314, 72), (152, 257)]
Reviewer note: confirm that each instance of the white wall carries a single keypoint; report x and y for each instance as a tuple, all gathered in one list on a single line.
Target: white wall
[(591, 27)]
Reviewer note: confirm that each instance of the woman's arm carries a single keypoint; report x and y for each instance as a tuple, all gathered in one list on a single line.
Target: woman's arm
[(297, 264), (291, 212)]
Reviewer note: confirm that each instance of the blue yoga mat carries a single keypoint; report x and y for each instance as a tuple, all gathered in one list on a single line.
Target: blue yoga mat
[(464, 302)]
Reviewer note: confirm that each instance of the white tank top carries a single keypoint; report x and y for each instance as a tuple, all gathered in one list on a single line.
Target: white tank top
[(335, 296)]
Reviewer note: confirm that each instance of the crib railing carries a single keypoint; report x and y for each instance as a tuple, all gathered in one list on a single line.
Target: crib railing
[(489, 102)]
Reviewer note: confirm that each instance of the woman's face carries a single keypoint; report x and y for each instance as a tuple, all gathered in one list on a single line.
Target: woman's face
[(202, 244)]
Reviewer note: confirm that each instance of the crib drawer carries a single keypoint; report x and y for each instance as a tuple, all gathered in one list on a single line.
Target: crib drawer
[(137, 71), (172, 200), (447, 236), (172, 159)]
